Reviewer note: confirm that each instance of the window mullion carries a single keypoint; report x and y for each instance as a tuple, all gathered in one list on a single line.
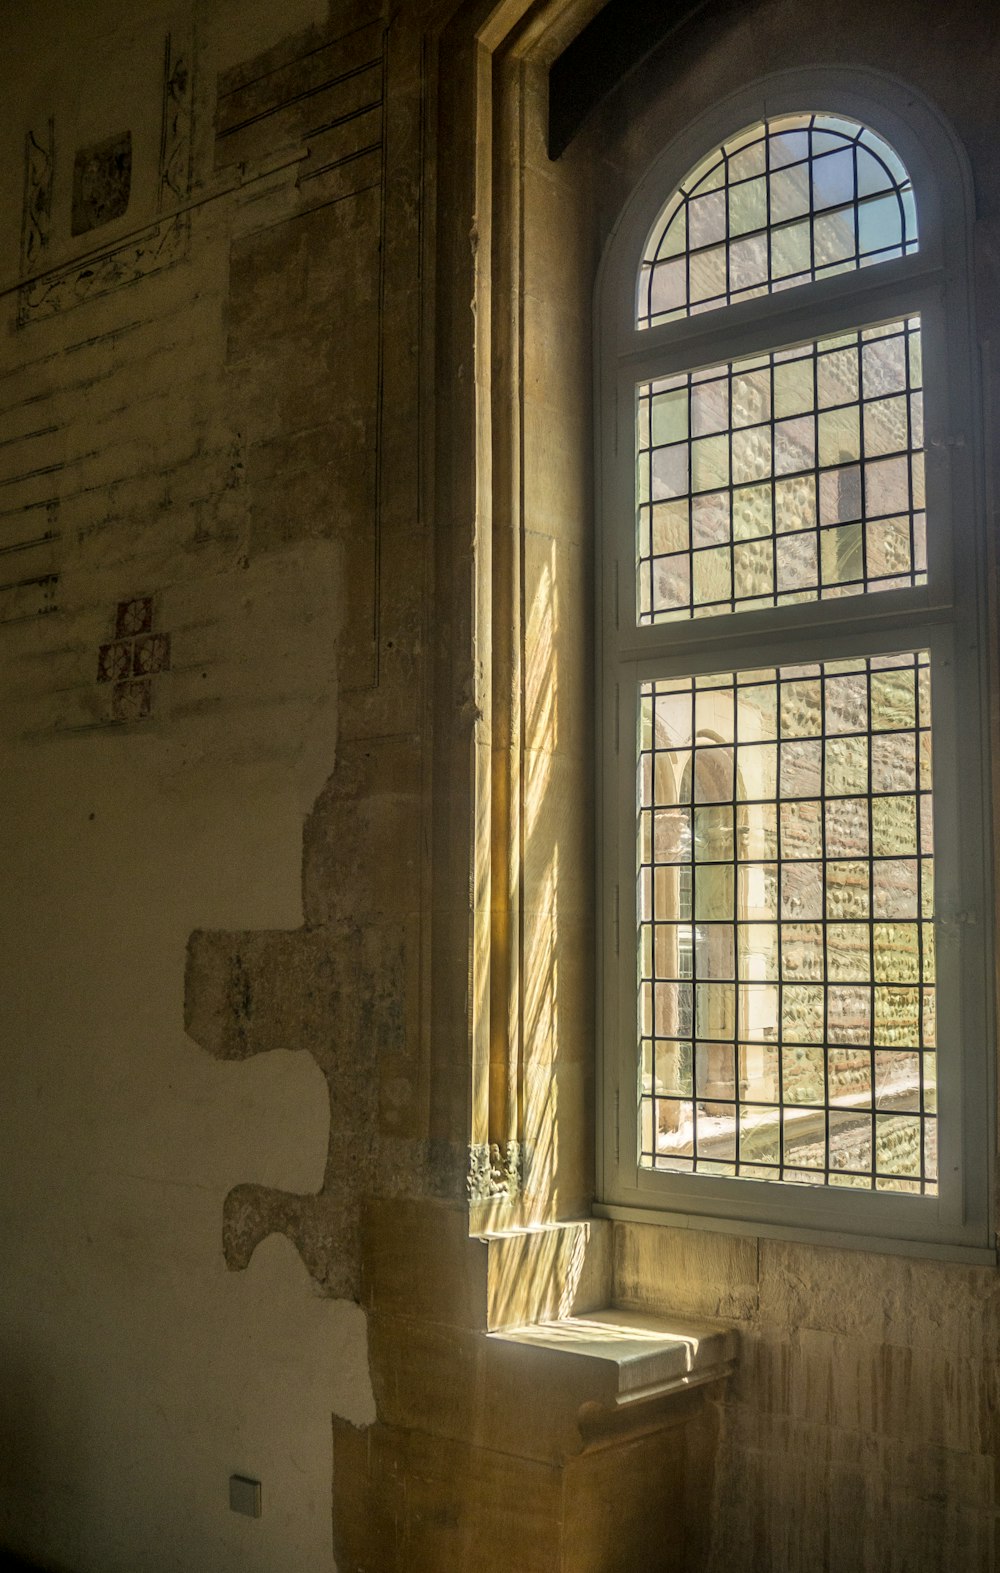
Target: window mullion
[(778, 322), (762, 637)]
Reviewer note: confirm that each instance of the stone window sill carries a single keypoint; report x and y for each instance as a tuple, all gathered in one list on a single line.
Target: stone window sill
[(632, 1355)]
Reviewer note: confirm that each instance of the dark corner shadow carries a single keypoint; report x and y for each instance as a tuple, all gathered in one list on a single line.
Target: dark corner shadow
[(24, 1442)]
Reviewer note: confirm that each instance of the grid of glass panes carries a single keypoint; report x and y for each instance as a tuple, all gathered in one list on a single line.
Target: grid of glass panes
[(785, 896), (797, 198), (792, 476)]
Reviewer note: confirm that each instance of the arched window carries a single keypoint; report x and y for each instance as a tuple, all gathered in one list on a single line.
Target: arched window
[(795, 1016), (793, 198)]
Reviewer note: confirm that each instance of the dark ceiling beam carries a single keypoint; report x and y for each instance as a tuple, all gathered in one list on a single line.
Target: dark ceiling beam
[(617, 40)]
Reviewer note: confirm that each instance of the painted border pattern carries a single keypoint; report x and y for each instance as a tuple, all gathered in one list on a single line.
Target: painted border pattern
[(36, 218), (130, 261), (176, 126)]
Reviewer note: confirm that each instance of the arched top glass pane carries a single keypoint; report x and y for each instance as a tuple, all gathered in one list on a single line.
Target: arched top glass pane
[(792, 199)]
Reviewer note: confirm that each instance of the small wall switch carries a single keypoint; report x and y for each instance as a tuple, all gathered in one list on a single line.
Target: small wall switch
[(244, 1495)]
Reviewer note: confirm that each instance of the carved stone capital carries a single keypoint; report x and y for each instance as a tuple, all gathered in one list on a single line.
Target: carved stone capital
[(495, 1171)]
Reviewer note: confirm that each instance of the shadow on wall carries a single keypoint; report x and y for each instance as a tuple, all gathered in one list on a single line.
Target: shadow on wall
[(26, 1453)]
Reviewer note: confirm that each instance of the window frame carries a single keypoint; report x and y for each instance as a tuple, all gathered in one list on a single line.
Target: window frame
[(946, 616)]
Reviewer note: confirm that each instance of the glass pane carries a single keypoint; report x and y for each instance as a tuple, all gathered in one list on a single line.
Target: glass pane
[(789, 200), (795, 476), (785, 1012)]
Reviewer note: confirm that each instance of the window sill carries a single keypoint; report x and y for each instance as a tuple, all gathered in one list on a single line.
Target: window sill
[(627, 1357)]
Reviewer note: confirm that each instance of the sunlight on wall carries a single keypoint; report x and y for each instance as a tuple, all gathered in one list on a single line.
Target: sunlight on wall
[(541, 878)]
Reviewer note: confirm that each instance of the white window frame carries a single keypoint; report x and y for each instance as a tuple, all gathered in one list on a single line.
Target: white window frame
[(948, 616)]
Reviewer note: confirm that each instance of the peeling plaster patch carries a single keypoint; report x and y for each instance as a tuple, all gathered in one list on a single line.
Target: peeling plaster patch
[(336, 992)]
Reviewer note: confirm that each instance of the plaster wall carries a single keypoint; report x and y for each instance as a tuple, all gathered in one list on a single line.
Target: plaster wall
[(187, 502)]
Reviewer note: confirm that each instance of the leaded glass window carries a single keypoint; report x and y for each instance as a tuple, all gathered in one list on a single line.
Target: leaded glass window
[(787, 577), (799, 197), (786, 997), (782, 477)]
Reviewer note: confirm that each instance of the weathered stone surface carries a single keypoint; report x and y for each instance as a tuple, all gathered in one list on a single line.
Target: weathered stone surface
[(428, 1506), (892, 1299), (540, 1274), (862, 1440), (625, 1508), (685, 1270), (419, 1262), (290, 417), (255, 993)]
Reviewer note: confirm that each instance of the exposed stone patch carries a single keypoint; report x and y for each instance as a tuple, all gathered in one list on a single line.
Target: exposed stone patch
[(335, 992)]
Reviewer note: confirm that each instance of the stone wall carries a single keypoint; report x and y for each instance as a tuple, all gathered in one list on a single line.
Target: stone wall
[(295, 731), (860, 1432)]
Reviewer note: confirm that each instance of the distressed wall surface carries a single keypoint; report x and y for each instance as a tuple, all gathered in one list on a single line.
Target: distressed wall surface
[(229, 375), (191, 379), (861, 1430)]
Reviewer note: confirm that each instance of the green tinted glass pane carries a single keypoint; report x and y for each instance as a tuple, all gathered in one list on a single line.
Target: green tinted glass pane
[(786, 944), (758, 451)]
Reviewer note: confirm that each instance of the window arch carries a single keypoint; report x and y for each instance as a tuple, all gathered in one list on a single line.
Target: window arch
[(792, 198), (785, 596)]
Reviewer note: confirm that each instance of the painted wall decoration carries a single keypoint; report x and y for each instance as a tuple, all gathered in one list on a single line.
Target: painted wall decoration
[(175, 134), (36, 222), (131, 660), (158, 247), (102, 191), (102, 183)]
